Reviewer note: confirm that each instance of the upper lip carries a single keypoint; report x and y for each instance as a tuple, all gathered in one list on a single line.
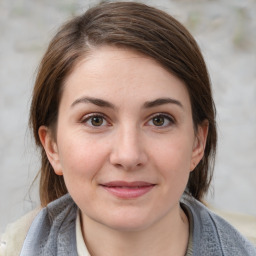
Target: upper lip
[(127, 184)]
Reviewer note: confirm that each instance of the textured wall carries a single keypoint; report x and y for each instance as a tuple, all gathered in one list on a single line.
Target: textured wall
[(226, 33)]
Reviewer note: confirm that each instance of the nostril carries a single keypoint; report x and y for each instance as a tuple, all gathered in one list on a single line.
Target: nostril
[(127, 161), (128, 151), (118, 165)]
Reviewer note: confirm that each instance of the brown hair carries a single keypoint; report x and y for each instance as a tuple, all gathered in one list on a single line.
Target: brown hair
[(146, 30)]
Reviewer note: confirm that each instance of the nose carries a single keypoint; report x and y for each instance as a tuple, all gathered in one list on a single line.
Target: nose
[(128, 151)]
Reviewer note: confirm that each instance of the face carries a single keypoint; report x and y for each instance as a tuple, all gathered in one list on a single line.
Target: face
[(125, 141)]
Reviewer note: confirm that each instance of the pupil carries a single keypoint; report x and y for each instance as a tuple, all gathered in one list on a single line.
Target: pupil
[(97, 121), (158, 121)]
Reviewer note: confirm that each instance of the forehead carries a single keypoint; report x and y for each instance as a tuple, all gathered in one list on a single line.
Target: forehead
[(116, 72)]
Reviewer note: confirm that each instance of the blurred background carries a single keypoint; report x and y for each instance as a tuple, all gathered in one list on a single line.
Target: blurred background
[(226, 33)]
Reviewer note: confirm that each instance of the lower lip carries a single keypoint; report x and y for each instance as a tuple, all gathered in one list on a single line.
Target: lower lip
[(128, 192)]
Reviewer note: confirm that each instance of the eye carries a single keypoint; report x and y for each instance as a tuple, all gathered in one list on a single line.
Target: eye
[(95, 120), (161, 120)]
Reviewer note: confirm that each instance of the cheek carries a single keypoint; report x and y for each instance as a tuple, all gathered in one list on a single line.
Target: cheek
[(82, 161), (173, 161), (81, 157), (175, 153)]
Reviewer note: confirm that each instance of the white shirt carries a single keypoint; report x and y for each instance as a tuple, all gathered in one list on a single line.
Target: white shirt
[(80, 244)]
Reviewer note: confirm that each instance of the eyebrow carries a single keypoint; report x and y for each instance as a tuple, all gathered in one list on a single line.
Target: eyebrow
[(147, 104), (161, 101), (95, 101)]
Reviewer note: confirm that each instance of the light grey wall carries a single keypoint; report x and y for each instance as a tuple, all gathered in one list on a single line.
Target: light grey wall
[(226, 33)]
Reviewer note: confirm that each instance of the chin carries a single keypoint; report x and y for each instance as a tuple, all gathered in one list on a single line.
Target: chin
[(128, 223), (128, 227)]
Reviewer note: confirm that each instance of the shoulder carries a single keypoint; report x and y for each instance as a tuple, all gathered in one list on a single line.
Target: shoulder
[(212, 235), (30, 233), (246, 224), (15, 234), (52, 231)]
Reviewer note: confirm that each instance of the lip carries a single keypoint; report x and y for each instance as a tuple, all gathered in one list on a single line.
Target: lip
[(128, 190)]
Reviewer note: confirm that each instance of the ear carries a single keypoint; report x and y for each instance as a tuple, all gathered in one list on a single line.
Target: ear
[(199, 144), (50, 147)]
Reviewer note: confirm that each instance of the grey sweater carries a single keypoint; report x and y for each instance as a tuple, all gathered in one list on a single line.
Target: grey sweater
[(53, 232)]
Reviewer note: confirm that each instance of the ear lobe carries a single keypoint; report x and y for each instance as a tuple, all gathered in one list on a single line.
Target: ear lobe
[(199, 144), (50, 147)]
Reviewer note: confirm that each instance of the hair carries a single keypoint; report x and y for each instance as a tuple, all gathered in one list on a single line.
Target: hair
[(134, 26)]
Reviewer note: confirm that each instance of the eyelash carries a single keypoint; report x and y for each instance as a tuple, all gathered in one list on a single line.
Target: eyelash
[(89, 117), (169, 118)]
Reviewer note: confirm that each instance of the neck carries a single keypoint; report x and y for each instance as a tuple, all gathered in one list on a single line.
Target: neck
[(167, 237)]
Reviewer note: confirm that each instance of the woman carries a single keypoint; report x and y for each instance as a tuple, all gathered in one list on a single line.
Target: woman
[(123, 113)]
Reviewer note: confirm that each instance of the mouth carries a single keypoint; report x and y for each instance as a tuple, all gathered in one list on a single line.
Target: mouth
[(128, 190)]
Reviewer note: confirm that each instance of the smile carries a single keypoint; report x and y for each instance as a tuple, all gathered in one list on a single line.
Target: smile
[(128, 190)]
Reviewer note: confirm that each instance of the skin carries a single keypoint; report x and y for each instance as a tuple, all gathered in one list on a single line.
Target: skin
[(134, 137)]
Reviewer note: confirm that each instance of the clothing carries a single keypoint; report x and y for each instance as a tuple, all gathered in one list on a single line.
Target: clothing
[(213, 236), (12, 240), (81, 248), (53, 232)]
